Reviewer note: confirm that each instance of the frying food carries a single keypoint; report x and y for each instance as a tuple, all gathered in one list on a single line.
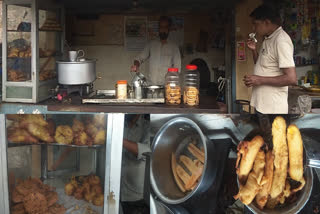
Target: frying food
[(185, 181), (280, 151), (196, 152), (196, 172), (275, 187), (263, 194), (39, 131), (175, 175), (249, 191), (64, 135), (247, 152), (295, 148)]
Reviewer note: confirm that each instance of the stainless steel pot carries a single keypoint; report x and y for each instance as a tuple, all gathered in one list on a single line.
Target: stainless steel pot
[(157, 207), (153, 91), (173, 137), (76, 73)]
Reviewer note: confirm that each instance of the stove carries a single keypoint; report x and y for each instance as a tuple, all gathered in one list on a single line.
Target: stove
[(63, 91)]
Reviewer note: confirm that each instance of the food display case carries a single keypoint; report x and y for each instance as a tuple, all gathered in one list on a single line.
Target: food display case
[(33, 39), (60, 163)]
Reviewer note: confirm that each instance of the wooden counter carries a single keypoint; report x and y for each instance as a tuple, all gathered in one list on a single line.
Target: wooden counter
[(208, 105)]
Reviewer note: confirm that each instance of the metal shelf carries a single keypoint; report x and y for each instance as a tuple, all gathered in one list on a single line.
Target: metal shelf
[(10, 144)]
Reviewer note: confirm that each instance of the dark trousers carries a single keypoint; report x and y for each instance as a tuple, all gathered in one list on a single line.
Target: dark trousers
[(136, 207)]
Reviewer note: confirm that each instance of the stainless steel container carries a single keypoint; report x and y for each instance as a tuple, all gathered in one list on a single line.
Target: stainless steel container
[(173, 137), (76, 73)]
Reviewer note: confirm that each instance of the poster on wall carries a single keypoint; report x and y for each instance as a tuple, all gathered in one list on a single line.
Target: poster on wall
[(241, 51), (135, 32)]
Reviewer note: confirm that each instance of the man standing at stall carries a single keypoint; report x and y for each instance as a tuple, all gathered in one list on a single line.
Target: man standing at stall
[(274, 68), (162, 55)]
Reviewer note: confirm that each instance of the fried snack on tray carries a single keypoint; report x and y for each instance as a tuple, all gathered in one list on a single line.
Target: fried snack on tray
[(18, 209), (286, 193), (77, 126), (262, 196), (16, 197), (295, 148), (280, 151), (39, 131), (98, 200), (249, 191), (99, 121), (247, 152), (183, 175), (100, 137), (35, 203), (20, 135), (52, 198), (81, 138), (51, 127), (33, 118), (175, 175), (64, 134), (57, 209), (69, 189)]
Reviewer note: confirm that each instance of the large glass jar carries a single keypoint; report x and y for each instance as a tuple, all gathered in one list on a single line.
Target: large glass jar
[(191, 86), (172, 87)]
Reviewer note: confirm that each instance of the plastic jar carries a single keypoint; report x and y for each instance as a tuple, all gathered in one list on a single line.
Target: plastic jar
[(172, 87), (122, 89), (191, 80)]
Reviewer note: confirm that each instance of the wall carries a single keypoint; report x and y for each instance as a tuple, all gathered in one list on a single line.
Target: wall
[(114, 61), (243, 28)]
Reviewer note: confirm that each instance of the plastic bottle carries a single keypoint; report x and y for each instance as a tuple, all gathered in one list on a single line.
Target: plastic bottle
[(191, 86), (172, 87)]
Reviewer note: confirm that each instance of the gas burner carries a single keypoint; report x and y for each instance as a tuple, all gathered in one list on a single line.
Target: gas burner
[(66, 90)]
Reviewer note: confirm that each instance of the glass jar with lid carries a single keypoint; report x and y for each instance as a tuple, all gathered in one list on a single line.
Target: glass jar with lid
[(191, 80), (172, 87), (121, 89)]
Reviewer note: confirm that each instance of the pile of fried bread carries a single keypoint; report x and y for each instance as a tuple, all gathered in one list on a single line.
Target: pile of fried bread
[(271, 177), (31, 196), (187, 172), (33, 128)]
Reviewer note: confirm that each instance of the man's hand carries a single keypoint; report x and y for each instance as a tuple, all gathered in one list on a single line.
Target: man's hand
[(251, 80), (135, 66), (251, 45)]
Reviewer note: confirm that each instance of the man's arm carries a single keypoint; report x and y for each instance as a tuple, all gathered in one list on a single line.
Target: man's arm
[(253, 47), (255, 56), (131, 146), (289, 77), (144, 55)]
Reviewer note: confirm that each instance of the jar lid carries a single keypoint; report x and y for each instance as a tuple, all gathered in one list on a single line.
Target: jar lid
[(173, 69), (191, 67), (122, 82)]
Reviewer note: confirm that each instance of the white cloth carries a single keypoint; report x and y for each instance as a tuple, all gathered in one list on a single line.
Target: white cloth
[(133, 168), (161, 57), (276, 53)]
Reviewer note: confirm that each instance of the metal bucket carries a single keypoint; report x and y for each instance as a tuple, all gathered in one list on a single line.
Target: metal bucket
[(76, 73), (173, 137)]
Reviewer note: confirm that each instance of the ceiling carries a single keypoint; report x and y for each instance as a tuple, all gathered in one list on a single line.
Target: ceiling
[(144, 6)]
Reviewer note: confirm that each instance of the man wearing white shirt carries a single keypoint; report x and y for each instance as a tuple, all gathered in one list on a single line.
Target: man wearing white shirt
[(162, 54)]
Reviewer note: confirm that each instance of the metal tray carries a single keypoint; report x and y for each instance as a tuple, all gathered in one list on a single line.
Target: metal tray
[(10, 144)]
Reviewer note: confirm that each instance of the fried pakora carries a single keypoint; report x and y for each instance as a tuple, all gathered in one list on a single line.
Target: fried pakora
[(35, 203), (100, 137), (175, 175), (77, 126), (64, 134), (81, 138), (247, 152), (39, 131), (249, 191), (21, 135), (98, 200), (69, 189)]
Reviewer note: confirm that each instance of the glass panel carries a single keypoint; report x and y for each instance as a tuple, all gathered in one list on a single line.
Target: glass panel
[(49, 44), (76, 173), (19, 92), (19, 43)]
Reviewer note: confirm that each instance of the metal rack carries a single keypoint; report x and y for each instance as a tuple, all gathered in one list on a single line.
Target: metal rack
[(112, 166), (31, 89)]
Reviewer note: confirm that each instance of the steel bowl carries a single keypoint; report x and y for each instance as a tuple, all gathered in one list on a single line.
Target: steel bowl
[(76, 73), (173, 137)]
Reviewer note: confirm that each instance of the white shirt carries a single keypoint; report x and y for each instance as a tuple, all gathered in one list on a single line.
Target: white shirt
[(276, 53), (133, 168), (162, 57)]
